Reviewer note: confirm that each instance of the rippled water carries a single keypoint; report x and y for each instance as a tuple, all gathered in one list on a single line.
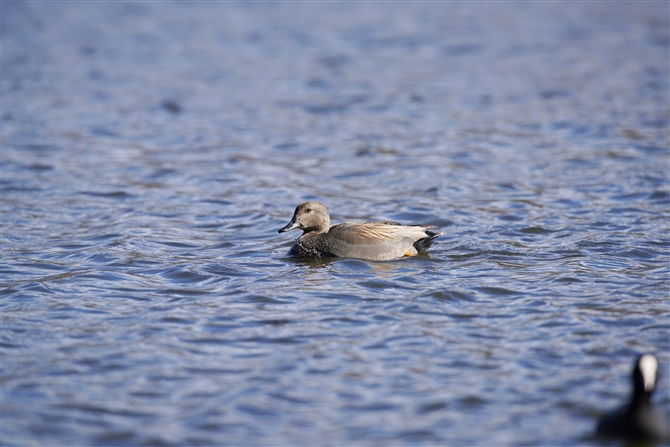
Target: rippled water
[(150, 152)]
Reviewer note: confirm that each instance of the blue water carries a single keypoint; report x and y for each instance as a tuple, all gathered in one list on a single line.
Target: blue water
[(151, 151)]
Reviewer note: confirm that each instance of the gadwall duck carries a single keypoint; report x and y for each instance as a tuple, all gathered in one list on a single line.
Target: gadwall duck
[(637, 420), (379, 241)]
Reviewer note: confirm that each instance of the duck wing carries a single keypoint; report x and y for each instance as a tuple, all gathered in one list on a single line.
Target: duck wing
[(377, 232)]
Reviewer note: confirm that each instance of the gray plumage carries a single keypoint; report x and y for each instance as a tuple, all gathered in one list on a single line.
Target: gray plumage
[(380, 241)]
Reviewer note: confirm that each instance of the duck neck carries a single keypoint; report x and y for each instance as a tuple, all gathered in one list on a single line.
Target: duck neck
[(315, 230), (642, 399), (320, 227)]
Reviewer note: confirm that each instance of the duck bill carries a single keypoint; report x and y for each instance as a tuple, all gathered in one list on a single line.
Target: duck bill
[(292, 225)]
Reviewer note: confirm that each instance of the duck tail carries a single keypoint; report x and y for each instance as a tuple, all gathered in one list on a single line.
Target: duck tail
[(422, 245)]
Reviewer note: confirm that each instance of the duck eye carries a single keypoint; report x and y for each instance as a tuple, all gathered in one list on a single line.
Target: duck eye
[(308, 210)]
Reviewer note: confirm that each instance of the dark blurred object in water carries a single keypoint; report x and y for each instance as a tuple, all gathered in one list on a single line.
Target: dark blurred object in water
[(637, 420), (172, 106)]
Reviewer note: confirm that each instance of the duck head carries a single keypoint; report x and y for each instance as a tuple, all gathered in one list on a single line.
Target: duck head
[(310, 217)]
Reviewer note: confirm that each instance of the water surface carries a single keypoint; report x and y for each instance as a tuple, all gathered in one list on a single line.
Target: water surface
[(151, 151)]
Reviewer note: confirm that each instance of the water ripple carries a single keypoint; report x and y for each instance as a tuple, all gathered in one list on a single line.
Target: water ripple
[(148, 162)]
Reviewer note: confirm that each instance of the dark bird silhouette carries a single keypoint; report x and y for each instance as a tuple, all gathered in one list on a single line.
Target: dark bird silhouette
[(637, 420)]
